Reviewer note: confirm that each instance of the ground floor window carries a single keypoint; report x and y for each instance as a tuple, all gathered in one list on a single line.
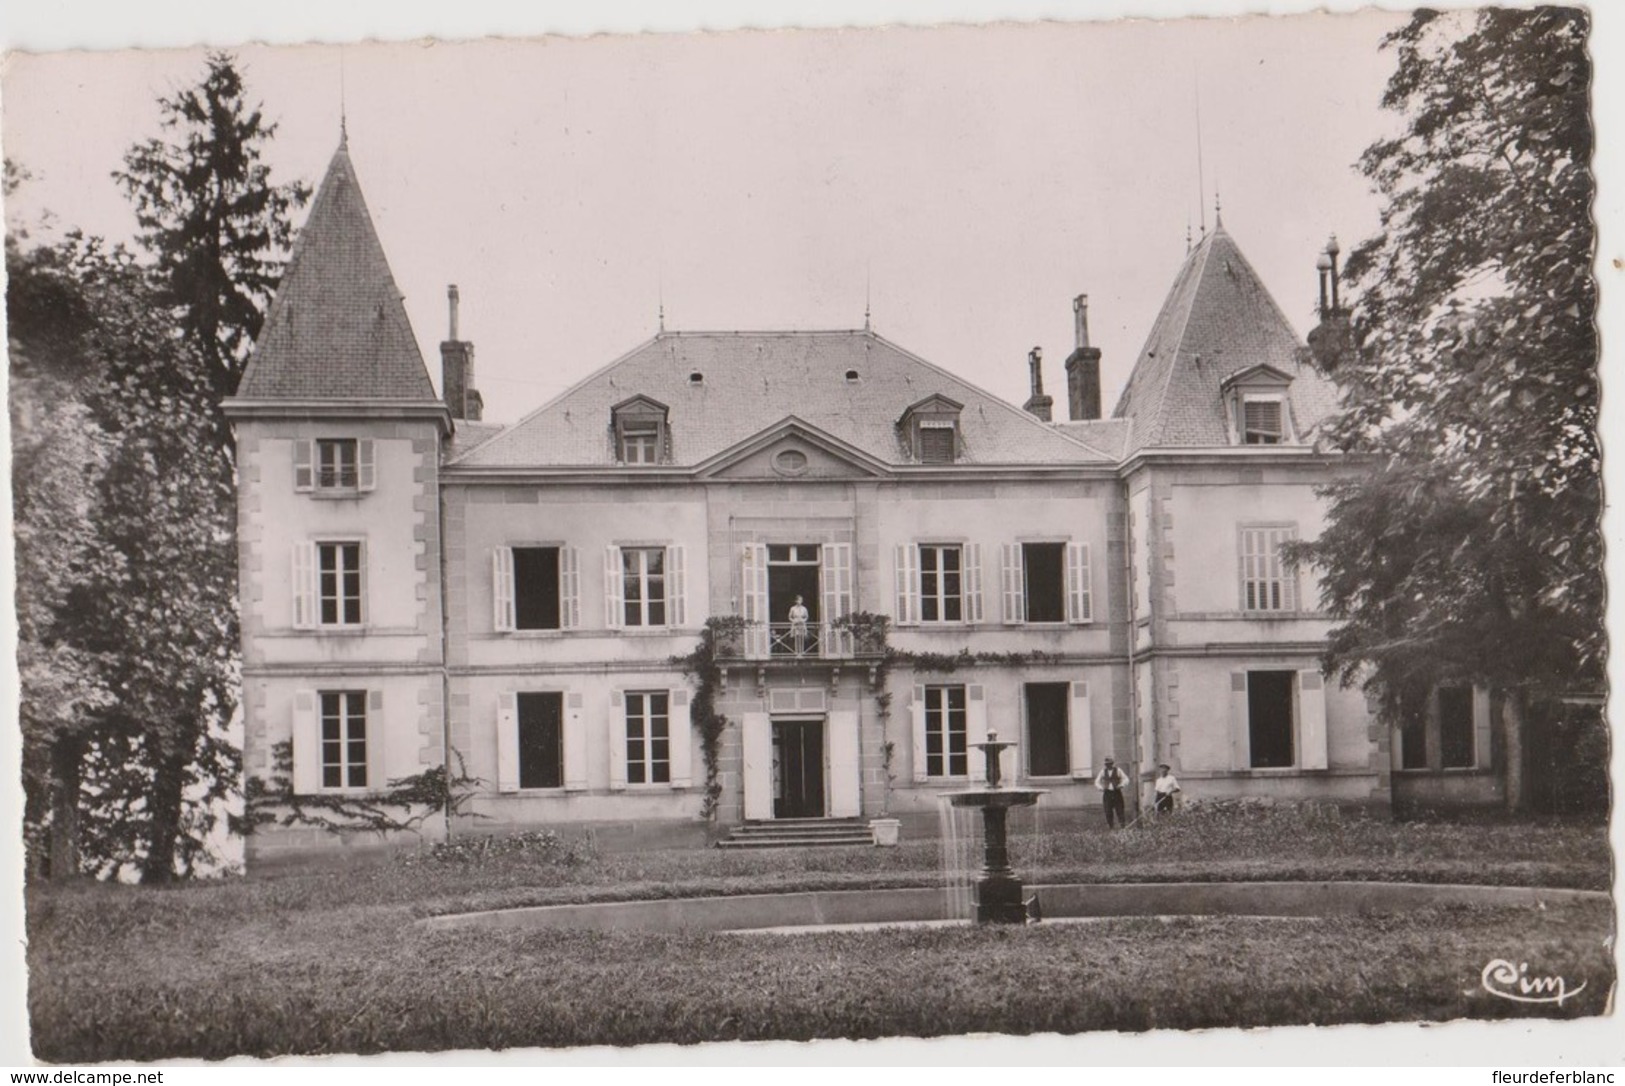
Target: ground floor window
[(344, 738), (1047, 754), (1269, 718), (541, 740), (945, 734), (648, 737), (1456, 727)]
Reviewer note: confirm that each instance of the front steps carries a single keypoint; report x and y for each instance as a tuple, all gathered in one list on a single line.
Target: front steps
[(799, 833)]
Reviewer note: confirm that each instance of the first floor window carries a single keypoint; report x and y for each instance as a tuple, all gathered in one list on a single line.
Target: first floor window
[(940, 589), (643, 571), (648, 737), (536, 588), (337, 466), (1044, 581), (338, 567), (945, 732), (541, 740), (1266, 580), (1269, 718), (1047, 754), (344, 738)]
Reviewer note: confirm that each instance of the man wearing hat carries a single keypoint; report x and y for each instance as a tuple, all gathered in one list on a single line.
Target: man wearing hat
[(1110, 782)]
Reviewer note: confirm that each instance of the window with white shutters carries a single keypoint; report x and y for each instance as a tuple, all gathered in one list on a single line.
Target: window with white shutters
[(1268, 584)]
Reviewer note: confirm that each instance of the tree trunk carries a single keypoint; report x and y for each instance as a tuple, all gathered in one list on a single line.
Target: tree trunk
[(67, 768), (168, 784), (1513, 733)]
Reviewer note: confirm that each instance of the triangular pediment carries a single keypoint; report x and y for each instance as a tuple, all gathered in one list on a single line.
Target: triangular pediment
[(790, 450), (1261, 375)]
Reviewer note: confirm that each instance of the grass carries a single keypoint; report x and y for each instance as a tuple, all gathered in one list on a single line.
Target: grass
[(332, 962)]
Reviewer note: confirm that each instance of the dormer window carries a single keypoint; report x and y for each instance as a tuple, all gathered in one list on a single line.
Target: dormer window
[(1261, 420), (1257, 405), (931, 430), (640, 432)]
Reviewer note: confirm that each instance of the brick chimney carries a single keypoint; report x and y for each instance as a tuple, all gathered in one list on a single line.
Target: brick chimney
[(1038, 404), (1082, 367), (457, 370)]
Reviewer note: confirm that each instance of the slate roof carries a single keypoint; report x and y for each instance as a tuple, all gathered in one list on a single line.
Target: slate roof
[(1217, 320), (1106, 436), (752, 380), (337, 329)]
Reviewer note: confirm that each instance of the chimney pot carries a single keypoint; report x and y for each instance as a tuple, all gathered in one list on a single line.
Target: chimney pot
[(1083, 367)]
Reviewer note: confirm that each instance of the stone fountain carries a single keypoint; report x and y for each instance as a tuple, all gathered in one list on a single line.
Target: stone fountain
[(998, 892)]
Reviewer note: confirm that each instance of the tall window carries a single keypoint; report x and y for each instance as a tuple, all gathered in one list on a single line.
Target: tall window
[(1261, 422), (536, 588), (541, 740), (648, 738), (945, 734), (344, 738), (643, 573), (940, 588), (1456, 727), (338, 567), (1047, 754), (337, 466), (1044, 572), (1269, 718), (1266, 581)]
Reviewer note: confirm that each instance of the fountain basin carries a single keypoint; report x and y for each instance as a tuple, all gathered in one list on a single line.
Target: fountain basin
[(1004, 798)]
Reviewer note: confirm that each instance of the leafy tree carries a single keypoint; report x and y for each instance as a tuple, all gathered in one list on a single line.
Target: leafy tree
[(1471, 550), (213, 220)]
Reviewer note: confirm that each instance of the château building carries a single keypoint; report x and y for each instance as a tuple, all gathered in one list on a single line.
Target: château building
[(522, 604)]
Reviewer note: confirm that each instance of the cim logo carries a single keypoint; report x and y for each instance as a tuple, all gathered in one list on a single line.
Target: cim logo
[(1502, 978)]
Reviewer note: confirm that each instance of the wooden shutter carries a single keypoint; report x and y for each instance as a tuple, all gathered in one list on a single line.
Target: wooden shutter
[(753, 598), (976, 731), (1010, 574), (502, 604), (569, 588), (1241, 745), (1079, 604), (845, 798), (617, 740), (681, 730), (366, 473), (614, 589), (377, 740), (508, 742), (676, 586), (307, 744), (1482, 750), (916, 712), (756, 736), (1080, 733), (835, 585), (1312, 719), (304, 586), (970, 581), (1288, 575), (1396, 747), (575, 743), (304, 475), (907, 584)]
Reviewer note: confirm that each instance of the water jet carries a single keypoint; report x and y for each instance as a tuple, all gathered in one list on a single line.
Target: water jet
[(998, 892)]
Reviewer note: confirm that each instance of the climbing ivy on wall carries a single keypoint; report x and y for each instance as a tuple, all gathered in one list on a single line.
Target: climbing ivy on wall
[(402, 807), (721, 636)]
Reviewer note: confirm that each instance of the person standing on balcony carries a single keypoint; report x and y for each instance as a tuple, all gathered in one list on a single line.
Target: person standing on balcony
[(798, 626)]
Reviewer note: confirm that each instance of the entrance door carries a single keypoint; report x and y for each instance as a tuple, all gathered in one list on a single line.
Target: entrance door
[(798, 760)]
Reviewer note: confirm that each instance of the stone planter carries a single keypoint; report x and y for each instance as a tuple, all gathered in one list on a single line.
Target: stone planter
[(886, 831)]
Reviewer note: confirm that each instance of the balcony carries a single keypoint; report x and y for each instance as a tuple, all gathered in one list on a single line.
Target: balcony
[(780, 646)]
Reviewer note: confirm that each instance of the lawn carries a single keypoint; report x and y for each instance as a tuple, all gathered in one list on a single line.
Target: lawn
[(333, 962)]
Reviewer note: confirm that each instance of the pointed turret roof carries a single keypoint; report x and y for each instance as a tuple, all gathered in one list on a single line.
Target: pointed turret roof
[(1217, 321), (337, 329)]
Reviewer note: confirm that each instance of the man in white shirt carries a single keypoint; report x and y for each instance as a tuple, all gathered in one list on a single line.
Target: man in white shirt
[(1165, 787), (1110, 782)]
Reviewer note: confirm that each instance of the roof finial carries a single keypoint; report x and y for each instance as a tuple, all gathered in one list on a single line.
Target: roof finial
[(660, 296), (344, 120), (1218, 217), (868, 283), (1187, 235), (1201, 187)]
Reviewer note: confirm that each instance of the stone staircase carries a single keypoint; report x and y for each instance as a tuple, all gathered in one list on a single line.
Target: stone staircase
[(800, 833)]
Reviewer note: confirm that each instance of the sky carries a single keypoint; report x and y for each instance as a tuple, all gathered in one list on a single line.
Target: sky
[(962, 183)]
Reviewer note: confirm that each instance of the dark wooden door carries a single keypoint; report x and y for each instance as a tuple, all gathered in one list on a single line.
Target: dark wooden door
[(801, 768)]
